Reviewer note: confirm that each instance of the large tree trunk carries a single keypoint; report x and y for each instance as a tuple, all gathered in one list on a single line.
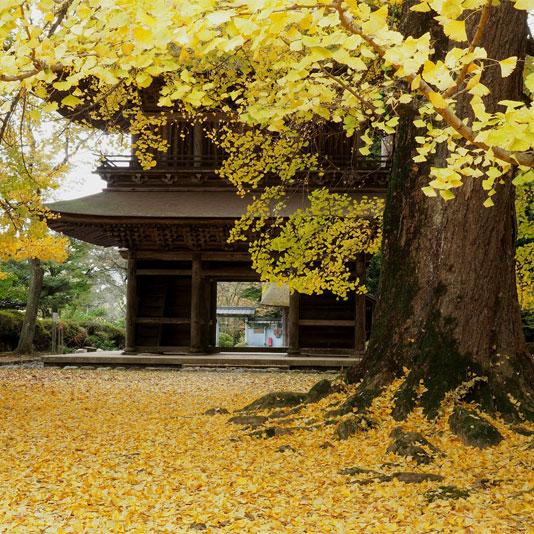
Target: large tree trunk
[(448, 307), (25, 345)]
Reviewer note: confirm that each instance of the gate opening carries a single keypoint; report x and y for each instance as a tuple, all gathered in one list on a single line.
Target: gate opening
[(251, 315)]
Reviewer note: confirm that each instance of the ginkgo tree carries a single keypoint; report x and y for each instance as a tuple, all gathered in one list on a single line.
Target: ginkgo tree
[(28, 169), (444, 77)]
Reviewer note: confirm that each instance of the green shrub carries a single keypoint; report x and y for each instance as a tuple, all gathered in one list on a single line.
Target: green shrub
[(104, 335), (98, 334), (101, 343), (225, 340)]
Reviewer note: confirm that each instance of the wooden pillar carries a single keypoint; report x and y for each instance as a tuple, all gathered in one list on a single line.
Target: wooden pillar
[(293, 323), (205, 313), (196, 303), (197, 145), (131, 303), (359, 311), (213, 315)]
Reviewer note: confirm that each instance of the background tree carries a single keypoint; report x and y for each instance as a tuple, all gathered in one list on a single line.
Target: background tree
[(66, 283), (89, 286), (107, 297), (27, 333), (28, 169)]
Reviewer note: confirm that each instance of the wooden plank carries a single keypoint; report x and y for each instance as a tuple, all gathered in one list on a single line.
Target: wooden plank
[(233, 360), (293, 323), (131, 304), (206, 256), (326, 322), (359, 311), (196, 303), (212, 330), (163, 272), (162, 320), (163, 348), (267, 350)]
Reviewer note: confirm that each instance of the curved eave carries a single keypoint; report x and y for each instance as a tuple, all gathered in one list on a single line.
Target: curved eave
[(173, 220), (146, 233)]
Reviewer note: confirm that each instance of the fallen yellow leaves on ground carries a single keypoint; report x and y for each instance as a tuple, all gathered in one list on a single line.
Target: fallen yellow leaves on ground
[(131, 451)]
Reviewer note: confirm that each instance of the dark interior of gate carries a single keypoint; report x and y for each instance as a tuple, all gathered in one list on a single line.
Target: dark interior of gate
[(170, 318)]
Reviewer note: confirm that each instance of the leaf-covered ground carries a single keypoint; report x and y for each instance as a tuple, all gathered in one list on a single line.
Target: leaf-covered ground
[(131, 451)]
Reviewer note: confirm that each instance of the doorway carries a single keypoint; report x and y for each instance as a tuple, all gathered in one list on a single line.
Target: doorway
[(249, 318)]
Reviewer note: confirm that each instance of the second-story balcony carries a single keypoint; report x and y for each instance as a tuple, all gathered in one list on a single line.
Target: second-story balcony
[(340, 172)]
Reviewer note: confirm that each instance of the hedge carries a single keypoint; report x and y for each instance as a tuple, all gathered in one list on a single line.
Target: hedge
[(97, 334)]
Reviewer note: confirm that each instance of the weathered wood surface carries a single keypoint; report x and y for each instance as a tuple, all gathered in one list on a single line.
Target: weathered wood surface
[(196, 304), (293, 323), (249, 359), (131, 304), (359, 312)]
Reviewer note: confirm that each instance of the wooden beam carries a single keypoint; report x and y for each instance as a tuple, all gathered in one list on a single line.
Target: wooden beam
[(359, 308), (188, 256), (231, 272), (196, 303), (293, 323), (212, 325), (131, 304), (163, 255), (163, 272), (231, 275), (326, 322), (162, 320), (160, 349)]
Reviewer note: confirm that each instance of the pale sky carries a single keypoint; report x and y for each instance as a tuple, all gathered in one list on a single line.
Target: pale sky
[(80, 180)]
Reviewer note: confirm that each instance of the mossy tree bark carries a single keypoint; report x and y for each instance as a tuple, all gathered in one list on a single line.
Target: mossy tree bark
[(448, 306), (27, 333)]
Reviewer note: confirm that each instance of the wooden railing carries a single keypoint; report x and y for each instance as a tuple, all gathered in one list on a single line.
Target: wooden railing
[(340, 172), (124, 162)]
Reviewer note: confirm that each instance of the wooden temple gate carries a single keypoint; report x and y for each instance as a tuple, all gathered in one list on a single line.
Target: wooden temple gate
[(172, 223)]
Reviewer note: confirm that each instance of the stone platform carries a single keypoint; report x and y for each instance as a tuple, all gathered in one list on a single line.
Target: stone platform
[(224, 359)]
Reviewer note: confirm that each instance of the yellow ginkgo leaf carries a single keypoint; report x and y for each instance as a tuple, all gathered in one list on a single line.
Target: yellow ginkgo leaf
[(429, 191), (423, 7), (529, 82), (49, 107), (455, 29), (508, 66), (524, 4), (142, 35), (71, 101), (437, 100)]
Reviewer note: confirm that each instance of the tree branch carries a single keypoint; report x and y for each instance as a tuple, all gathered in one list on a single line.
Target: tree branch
[(484, 16), (514, 158)]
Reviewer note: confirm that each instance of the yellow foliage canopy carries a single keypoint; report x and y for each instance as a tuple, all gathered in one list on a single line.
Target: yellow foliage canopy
[(274, 64), (28, 167)]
